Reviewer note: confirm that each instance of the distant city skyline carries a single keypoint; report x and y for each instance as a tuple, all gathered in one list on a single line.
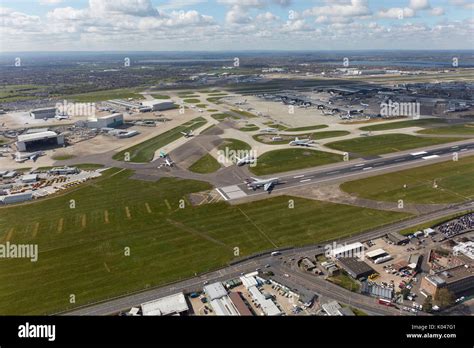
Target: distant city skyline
[(223, 25)]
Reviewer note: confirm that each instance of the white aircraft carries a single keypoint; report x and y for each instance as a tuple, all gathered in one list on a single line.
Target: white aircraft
[(301, 142), (246, 160), (22, 157), (267, 184), (61, 117), (188, 134), (269, 130)]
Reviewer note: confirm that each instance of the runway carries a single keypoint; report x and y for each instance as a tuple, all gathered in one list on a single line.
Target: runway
[(354, 169)]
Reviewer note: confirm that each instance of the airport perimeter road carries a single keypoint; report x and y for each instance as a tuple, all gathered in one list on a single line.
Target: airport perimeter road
[(114, 306), (368, 167)]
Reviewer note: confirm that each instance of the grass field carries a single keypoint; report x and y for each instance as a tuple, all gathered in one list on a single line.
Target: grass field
[(202, 106), (192, 101), (243, 113), (160, 96), (144, 152), (249, 128), (345, 281), (380, 144), (62, 157), (453, 179), (205, 165), (123, 93), (460, 129), (302, 129), (82, 250), (234, 144), (404, 124), (13, 93), (291, 159)]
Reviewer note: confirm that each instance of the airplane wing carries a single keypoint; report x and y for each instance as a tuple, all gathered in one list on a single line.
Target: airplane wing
[(268, 186)]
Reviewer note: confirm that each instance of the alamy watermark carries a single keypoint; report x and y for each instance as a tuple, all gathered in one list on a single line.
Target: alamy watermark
[(396, 109), (75, 109), (240, 157), (337, 251), (19, 251)]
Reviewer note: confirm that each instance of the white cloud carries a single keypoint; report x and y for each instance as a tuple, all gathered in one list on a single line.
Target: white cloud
[(396, 12), (419, 5), (356, 8), (437, 11), (50, 2)]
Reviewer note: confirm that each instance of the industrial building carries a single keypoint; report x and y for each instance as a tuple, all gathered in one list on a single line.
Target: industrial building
[(16, 198), (397, 238), (350, 250), (169, 305), (355, 268), (158, 105), (109, 121), (378, 256), (39, 114), (31, 142), (239, 304), (466, 249), (456, 279), (268, 307), (333, 308)]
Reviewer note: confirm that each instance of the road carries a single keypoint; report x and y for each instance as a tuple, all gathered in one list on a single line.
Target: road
[(319, 286)]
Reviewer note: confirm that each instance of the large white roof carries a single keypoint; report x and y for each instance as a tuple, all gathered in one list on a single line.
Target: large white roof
[(348, 247), (37, 136), (166, 305), (375, 253), (215, 290)]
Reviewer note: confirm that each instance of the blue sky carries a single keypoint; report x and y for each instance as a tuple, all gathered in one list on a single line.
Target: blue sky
[(235, 24)]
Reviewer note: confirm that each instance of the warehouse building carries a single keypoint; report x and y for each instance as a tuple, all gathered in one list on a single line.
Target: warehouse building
[(350, 250), (109, 121), (42, 113), (158, 105), (31, 142), (169, 305), (397, 238), (456, 279), (355, 268), (16, 198)]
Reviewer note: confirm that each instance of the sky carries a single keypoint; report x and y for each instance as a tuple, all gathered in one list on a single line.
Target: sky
[(223, 25)]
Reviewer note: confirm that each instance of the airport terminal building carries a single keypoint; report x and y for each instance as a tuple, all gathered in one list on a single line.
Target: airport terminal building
[(39, 114)]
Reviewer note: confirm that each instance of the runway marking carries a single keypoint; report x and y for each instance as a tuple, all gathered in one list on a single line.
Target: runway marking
[(106, 216), (168, 204), (463, 150), (306, 180), (148, 209), (366, 168), (360, 165), (399, 160), (298, 176), (223, 196), (127, 212), (84, 221), (35, 230), (60, 225), (334, 172)]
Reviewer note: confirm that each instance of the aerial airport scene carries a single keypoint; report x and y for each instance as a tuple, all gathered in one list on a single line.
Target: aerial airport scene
[(310, 168)]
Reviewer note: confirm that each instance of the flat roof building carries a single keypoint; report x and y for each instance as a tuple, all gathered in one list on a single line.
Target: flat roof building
[(169, 305), (215, 291), (268, 307), (41, 113), (349, 250), (456, 279), (397, 238), (355, 268), (224, 306), (239, 304), (158, 105), (109, 121)]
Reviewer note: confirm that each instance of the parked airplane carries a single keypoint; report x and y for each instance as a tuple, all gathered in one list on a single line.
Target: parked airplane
[(301, 142), (163, 154), (188, 134), (267, 184), (246, 160), (61, 117), (269, 130), (22, 157)]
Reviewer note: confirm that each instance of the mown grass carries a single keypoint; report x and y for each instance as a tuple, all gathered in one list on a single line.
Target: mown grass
[(83, 251), (205, 165), (145, 151), (292, 159), (445, 182), (381, 144)]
